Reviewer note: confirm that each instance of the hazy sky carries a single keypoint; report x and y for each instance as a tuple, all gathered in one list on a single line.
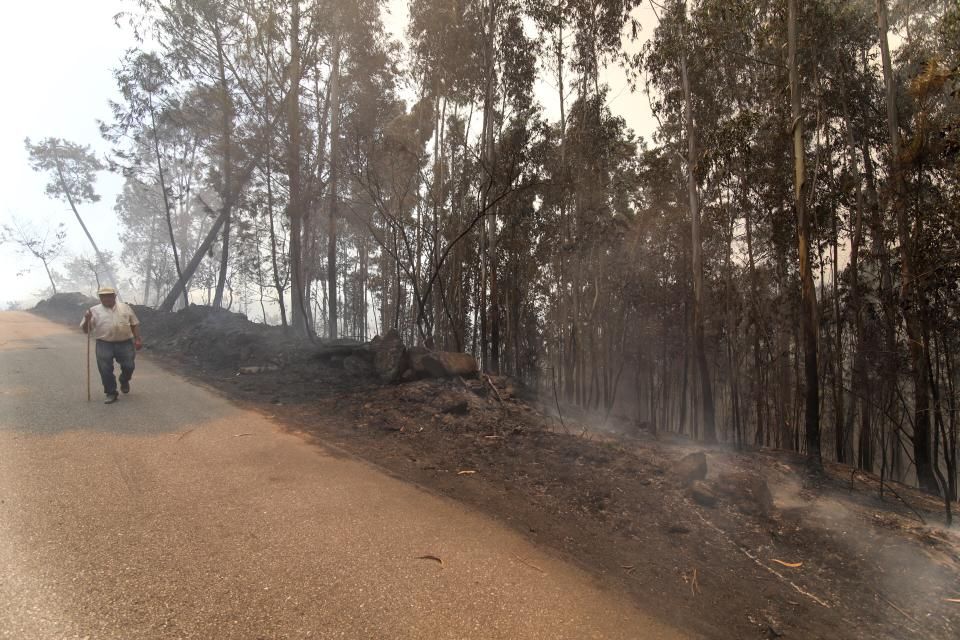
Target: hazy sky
[(56, 58)]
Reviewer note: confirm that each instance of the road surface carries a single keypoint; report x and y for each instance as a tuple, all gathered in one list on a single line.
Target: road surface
[(176, 514)]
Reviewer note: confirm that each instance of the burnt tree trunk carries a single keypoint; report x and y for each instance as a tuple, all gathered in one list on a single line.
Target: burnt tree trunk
[(909, 297), (808, 308)]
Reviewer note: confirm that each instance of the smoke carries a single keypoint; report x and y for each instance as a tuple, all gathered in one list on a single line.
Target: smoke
[(866, 549)]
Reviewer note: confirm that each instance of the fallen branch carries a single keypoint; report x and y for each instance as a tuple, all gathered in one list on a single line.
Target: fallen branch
[(530, 564), (792, 565), (788, 581), (184, 434), (899, 497), (431, 557), (894, 492), (747, 553), (493, 386), (905, 614)]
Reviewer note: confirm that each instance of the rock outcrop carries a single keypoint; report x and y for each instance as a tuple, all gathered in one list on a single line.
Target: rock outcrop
[(690, 468)]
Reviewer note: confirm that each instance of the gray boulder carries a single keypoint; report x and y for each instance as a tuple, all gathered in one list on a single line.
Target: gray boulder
[(451, 363), (702, 493), (442, 364), (357, 366), (748, 492), (690, 468), (390, 358)]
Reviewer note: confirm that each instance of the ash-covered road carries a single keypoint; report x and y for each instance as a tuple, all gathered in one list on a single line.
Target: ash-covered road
[(176, 514)]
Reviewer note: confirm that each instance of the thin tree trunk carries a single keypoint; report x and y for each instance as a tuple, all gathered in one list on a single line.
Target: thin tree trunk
[(700, 356), (490, 344), (808, 313), (859, 375), (952, 418), (295, 207), (148, 263), (840, 434), (46, 267), (681, 426), (909, 298), (191, 267), (940, 433), (166, 200), (755, 318), (277, 283), (889, 370), (333, 195), (226, 168), (73, 207), (733, 363)]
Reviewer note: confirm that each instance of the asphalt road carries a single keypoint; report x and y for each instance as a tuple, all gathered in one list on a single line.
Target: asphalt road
[(176, 514)]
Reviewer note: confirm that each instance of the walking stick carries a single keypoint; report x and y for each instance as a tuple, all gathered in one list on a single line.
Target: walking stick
[(88, 362)]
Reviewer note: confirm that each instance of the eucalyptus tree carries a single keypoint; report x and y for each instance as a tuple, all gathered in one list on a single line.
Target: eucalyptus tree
[(299, 60), (476, 64), (808, 315), (270, 233), (140, 210), (666, 62), (511, 121), (380, 147), (921, 118), (932, 159), (360, 64), (909, 295), (741, 168), (579, 38), (148, 104), (454, 63), (198, 40), (295, 197), (450, 61)]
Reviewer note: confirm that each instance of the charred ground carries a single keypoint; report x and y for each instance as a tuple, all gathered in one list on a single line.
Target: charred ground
[(820, 555)]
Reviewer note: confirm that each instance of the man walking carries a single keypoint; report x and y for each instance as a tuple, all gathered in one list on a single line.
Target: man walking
[(117, 330)]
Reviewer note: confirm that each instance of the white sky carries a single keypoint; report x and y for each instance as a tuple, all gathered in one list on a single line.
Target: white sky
[(56, 59)]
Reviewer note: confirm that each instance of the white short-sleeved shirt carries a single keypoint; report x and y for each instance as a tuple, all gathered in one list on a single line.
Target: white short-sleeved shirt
[(113, 324)]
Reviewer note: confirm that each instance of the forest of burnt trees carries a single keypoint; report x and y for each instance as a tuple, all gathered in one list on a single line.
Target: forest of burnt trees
[(777, 266)]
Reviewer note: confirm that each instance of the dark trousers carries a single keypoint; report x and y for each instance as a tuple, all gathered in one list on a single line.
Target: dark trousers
[(123, 353)]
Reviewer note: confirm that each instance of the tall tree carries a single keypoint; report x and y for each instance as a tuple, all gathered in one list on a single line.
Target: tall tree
[(143, 82), (808, 314), (72, 170), (909, 296), (333, 188), (196, 38), (696, 243)]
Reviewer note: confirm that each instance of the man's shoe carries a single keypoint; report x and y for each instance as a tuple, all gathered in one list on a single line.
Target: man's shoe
[(125, 387), (111, 398)]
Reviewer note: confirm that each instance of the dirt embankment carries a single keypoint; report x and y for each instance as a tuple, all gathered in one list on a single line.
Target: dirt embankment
[(721, 543)]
